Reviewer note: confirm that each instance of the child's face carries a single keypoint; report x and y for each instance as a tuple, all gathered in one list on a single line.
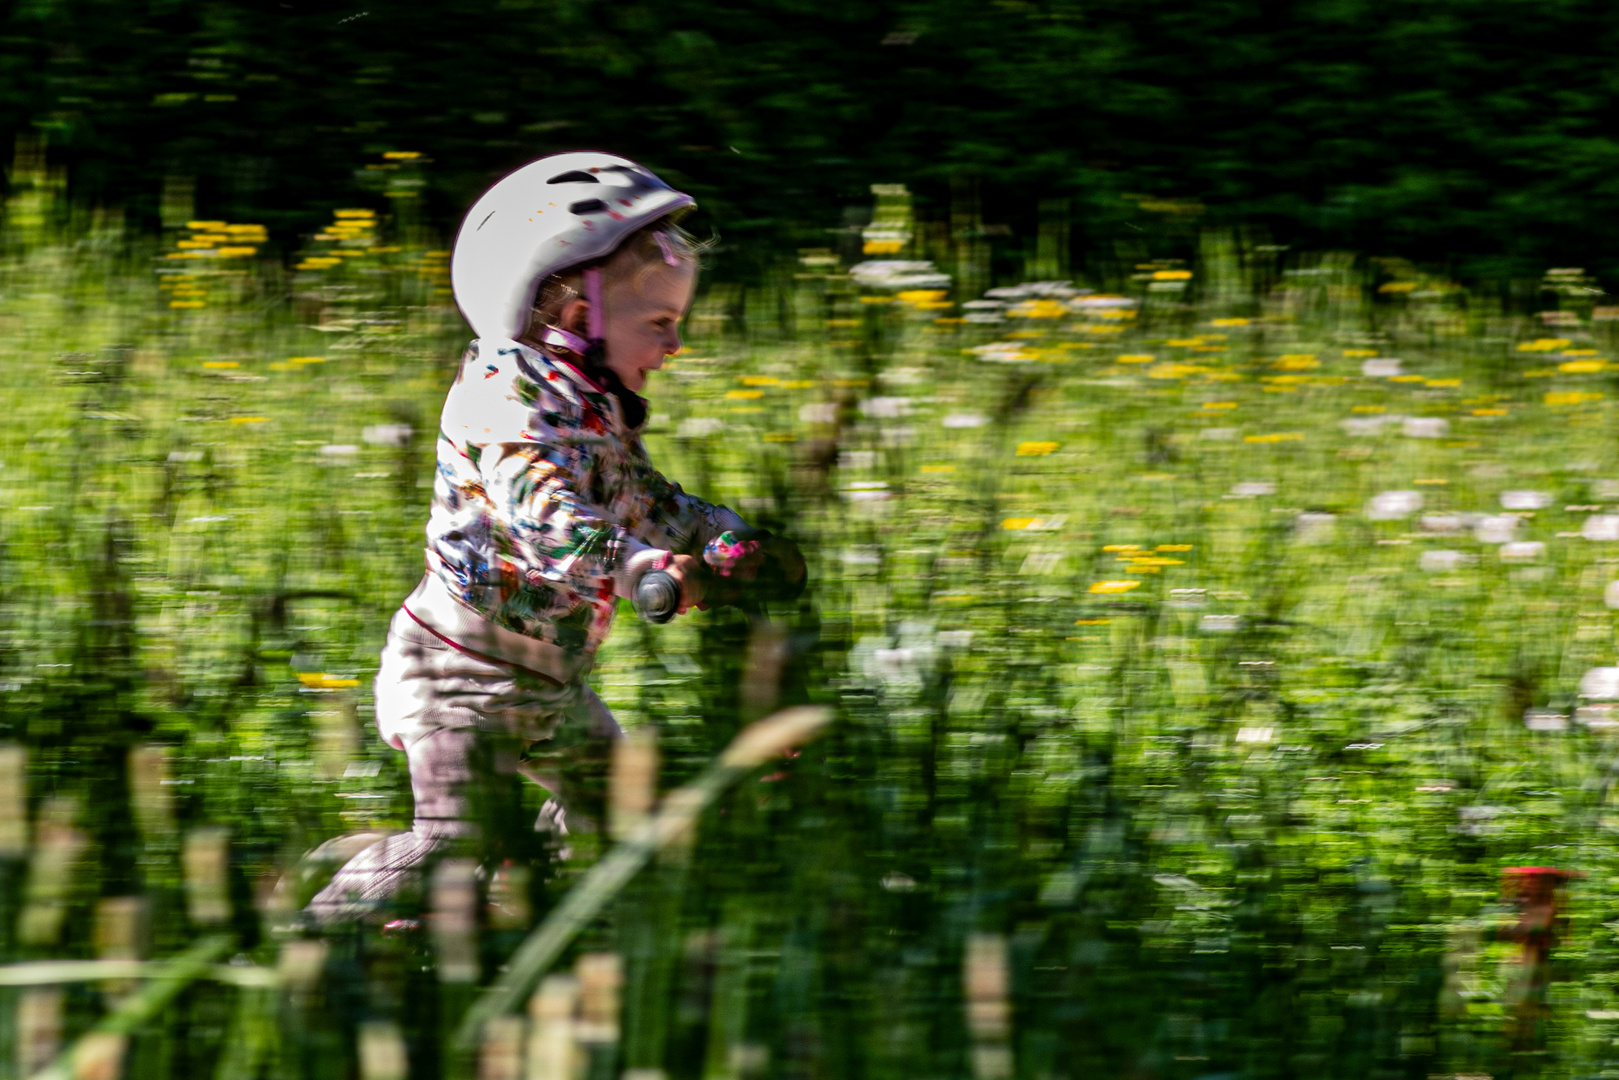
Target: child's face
[(643, 325)]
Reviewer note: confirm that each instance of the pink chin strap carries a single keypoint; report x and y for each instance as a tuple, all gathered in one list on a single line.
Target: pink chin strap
[(565, 339)]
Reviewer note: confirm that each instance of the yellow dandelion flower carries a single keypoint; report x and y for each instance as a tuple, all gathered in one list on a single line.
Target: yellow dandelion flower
[(1035, 449), (1581, 367), (1136, 358), (1214, 405), (1356, 353), (1014, 524), (1544, 345), (1172, 275), (1121, 547), (1173, 547), (1114, 586), (322, 681), (760, 380), (743, 395), (220, 364), (1230, 322), (1572, 397)]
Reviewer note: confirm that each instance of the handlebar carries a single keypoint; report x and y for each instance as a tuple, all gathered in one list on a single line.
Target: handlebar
[(657, 596)]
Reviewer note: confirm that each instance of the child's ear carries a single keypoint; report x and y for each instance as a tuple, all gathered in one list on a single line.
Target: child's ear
[(575, 317)]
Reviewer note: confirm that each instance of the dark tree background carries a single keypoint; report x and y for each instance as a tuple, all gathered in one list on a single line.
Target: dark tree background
[(1478, 133)]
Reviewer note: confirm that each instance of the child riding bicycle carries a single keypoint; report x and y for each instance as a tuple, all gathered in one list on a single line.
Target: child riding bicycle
[(575, 276)]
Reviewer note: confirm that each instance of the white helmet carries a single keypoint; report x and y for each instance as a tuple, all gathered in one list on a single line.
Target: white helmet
[(551, 214)]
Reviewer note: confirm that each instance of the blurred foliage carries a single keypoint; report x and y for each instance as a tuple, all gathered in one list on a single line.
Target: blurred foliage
[(1202, 652), (1474, 135)]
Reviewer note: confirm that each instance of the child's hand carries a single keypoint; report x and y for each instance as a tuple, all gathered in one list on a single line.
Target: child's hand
[(690, 572)]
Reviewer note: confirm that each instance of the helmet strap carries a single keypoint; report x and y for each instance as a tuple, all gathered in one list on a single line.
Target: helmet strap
[(595, 352)]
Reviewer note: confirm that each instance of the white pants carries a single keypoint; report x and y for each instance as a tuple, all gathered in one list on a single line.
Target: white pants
[(466, 723)]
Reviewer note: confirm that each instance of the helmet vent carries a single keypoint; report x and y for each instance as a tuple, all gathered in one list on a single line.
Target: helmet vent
[(588, 206), (574, 177)]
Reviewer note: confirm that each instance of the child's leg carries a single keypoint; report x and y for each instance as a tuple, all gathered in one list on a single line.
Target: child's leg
[(467, 802), (573, 765), (458, 718)]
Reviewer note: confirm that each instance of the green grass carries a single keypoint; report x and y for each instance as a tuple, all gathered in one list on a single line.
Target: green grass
[(1245, 815)]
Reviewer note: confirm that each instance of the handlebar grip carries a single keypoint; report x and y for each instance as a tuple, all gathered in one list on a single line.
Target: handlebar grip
[(657, 596)]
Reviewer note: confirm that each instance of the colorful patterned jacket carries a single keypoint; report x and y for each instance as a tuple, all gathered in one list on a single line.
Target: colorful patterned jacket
[(546, 510)]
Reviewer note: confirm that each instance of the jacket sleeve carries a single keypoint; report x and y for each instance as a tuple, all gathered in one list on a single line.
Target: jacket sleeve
[(674, 519), (547, 528), (679, 521)]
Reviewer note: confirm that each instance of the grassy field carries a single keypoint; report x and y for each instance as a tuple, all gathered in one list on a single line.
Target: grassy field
[(1203, 644)]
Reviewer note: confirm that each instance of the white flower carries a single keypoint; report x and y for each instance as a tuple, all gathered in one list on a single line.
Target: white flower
[(1313, 526), (339, 450), (1496, 529), (1100, 303), (1446, 524), (885, 408), (1523, 551), (1545, 720), (1605, 489), (1596, 717), (1601, 683), (1381, 367), (897, 274), (1255, 734), (1220, 624), (1393, 505), (388, 434), (867, 491), (1252, 489), (1610, 595), (696, 427), (1525, 500), (1601, 527), (818, 412), (1218, 434), (964, 420), (1362, 426), (1426, 427), (1439, 562)]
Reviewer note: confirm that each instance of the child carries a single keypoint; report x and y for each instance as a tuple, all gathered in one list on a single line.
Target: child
[(545, 512)]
